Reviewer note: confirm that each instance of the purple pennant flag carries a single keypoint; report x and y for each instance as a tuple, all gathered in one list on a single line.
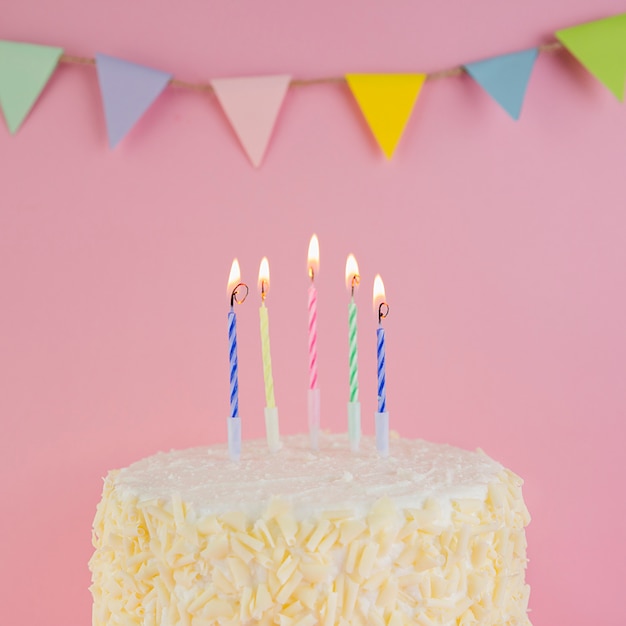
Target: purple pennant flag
[(128, 90)]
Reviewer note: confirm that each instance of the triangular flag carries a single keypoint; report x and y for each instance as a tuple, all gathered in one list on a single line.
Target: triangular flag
[(505, 78), (25, 69), (386, 101), (252, 104), (128, 90), (601, 47)]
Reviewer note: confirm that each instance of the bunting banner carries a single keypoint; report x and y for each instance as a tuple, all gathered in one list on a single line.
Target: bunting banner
[(25, 70), (252, 106), (601, 47), (505, 78), (386, 101), (127, 90)]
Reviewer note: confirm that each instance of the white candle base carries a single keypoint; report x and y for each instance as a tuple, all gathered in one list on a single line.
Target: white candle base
[(354, 425), (314, 417), (234, 438), (271, 428), (382, 433)]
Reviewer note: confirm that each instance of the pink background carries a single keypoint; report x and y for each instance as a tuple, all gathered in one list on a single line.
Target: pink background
[(501, 245)]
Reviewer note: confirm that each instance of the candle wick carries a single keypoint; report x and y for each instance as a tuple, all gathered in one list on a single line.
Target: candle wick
[(311, 273), (235, 297), (356, 279), (383, 311), (263, 290)]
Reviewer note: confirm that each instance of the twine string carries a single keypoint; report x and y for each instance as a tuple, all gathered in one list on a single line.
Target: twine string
[(554, 46)]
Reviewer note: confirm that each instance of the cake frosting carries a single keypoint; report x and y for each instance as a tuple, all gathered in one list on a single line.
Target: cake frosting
[(431, 535)]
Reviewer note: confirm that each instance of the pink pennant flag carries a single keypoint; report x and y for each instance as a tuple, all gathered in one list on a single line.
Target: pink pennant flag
[(252, 105)]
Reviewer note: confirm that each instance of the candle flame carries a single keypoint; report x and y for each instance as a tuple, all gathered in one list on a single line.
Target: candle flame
[(264, 277), (352, 273), (379, 293), (234, 278), (237, 291), (313, 259)]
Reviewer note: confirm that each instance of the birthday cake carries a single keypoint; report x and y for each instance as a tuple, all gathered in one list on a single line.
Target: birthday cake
[(430, 535)]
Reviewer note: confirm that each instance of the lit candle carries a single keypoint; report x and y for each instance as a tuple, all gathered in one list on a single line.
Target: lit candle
[(237, 292), (314, 392), (382, 415), (271, 411), (354, 406)]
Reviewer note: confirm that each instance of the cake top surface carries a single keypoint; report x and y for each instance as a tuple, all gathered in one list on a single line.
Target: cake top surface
[(331, 478)]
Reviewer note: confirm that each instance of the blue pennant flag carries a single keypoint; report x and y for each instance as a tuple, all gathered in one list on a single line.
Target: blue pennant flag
[(505, 78), (128, 90)]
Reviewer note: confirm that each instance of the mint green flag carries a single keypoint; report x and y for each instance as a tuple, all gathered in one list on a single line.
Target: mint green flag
[(601, 47), (25, 69)]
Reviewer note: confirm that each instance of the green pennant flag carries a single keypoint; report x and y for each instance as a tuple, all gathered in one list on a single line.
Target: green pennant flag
[(24, 71), (601, 47)]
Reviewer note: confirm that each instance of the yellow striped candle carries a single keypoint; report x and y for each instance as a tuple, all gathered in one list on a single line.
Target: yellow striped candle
[(271, 411)]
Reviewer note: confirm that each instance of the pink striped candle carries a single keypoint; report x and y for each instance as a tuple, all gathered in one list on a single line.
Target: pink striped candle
[(312, 337), (314, 394)]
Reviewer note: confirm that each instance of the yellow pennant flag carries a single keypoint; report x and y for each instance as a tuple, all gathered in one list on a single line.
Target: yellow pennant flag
[(386, 101)]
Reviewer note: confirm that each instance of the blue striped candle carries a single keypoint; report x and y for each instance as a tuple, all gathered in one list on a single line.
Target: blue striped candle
[(234, 368), (380, 359), (237, 292), (382, 416)]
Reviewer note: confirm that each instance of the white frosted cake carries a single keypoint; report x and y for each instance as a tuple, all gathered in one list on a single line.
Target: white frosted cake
[(431, 535)]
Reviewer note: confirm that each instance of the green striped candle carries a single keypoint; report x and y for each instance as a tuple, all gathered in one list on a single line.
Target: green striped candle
[(353, 352), (354, 406)]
